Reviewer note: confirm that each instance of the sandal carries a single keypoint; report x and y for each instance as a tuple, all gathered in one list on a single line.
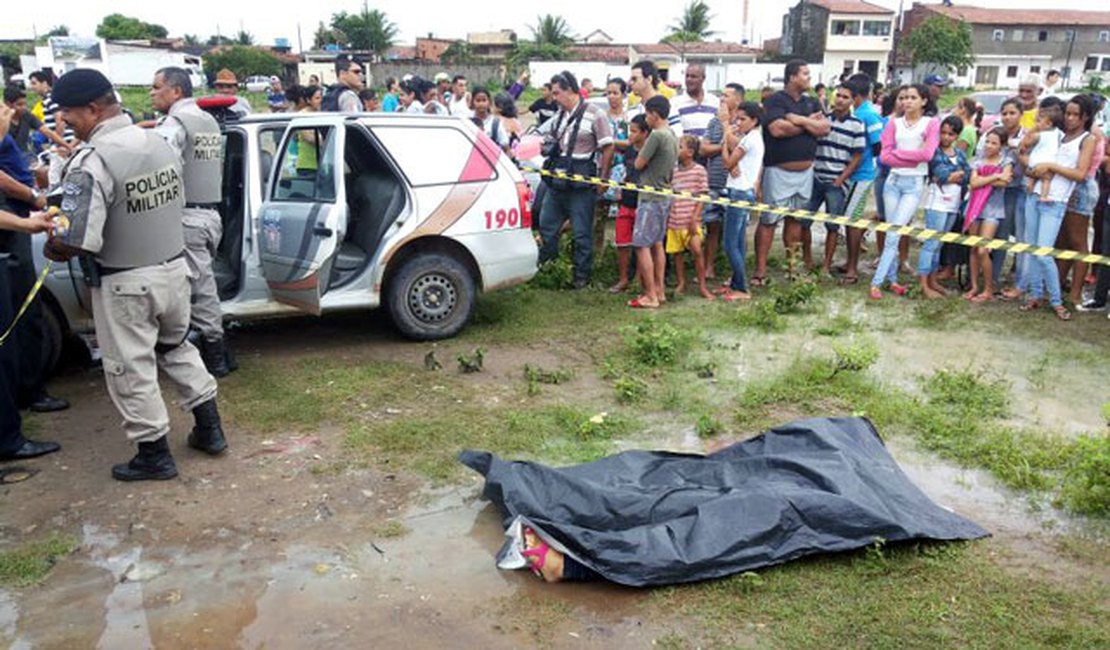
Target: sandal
[(981, 298), (876, 293), (849, 280), (637, 303), (899, 289), (734, 296), (616, 288), (15, 475), (1062, 312), (536, 555), (1012, 294), (760, 281), (1031, 305)]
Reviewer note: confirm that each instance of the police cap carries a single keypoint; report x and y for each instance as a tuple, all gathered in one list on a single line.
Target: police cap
[(80, 87)]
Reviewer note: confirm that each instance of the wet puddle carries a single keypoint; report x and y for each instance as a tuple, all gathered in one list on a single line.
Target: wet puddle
[(435, 586)]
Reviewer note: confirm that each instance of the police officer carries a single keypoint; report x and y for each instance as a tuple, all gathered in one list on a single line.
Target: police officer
[(195, 137), (123, 198)]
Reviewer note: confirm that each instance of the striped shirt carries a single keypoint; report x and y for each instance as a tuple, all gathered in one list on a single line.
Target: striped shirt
[(714, 166), (846, 138), (692, 179), (50, 117), (688, 117), (594, 133)]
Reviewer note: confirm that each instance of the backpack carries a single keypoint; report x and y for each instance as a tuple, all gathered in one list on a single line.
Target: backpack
[(330, 102)]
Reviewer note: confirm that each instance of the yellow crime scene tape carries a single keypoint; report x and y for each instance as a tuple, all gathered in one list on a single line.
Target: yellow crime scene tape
[(27, 301), (916, 232)]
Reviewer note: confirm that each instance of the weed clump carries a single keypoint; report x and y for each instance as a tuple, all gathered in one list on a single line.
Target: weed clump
[(630, 389), (791, 298), (1085, 486), (762, 316), (536, 375), (855, 357), (656, 344), (707, 426), (968, 393)]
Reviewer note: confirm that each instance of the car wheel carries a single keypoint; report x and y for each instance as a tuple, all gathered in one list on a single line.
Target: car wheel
[(53, 339), (431, 297)]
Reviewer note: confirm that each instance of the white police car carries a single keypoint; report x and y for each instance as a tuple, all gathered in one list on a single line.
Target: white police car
[(325, 212)]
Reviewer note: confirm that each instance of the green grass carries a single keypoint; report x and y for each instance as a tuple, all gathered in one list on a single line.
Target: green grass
[(137, 100), (908, 596), (30, 563)]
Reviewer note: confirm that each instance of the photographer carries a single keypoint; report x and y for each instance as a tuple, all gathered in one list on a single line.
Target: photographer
[(578, 140)]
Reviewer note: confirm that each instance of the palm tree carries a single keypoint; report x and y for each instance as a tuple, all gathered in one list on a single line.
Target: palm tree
[(552, 30), (244, 38), (692, 25), (191, 40)]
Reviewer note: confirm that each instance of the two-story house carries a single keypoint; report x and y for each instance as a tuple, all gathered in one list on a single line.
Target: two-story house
[(1009, 44), (846, 36)]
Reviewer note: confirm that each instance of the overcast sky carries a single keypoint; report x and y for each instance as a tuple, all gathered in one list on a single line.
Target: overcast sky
[(624, 20)]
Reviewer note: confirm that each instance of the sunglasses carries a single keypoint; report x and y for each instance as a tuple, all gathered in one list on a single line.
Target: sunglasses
[(355, 70)]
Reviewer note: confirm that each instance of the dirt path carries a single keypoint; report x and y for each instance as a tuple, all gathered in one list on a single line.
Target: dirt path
[(261, 549)]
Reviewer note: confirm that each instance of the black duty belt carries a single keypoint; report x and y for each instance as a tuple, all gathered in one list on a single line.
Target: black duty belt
[(202, 206), (112, 270)]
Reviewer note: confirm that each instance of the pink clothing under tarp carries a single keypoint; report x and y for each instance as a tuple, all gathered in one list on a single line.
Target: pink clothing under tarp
[(979, 196)]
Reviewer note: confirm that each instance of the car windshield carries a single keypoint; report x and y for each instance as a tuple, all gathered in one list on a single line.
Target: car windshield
[(991, 103)]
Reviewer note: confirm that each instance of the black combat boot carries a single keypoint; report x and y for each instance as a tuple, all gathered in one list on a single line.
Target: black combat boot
[(152, 463), (213, 354), (208, 434), (229, 358)]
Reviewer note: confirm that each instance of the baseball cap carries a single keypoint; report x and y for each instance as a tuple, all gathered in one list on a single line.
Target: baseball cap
[(442, 76), (936, 80)]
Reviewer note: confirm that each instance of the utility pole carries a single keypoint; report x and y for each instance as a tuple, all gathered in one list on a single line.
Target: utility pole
[(1067, 64)]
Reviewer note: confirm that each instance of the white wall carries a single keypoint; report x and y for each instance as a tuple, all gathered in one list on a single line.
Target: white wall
[(834, 65), (756, 75)]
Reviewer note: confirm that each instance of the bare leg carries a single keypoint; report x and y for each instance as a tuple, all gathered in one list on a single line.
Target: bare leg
[(764, 237), (624, 253), (659, 266), (680, 273), (712, 242), (792, 239), (644, 264), (855, 239), (830, 250), (699, 266)]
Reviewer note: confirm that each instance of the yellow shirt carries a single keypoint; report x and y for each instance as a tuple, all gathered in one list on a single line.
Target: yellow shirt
[(661, 88), (1029, 120)]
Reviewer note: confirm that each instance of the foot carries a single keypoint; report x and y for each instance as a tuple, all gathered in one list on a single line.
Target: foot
[(705, 293), (1012, 293), (932, 294), (899, 289), (31, 449), (971, 294), (46, 403), (982, 297), (153, 462), (643, 302), (1031, 305), (1062, 312), (544, 561), (876, 293), (680, 288), (1091, 305), (849, 279), (619, 287), (759, 281), (733, 296)]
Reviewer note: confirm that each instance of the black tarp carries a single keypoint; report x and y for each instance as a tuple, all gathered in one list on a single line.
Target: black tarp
[(644, 518)]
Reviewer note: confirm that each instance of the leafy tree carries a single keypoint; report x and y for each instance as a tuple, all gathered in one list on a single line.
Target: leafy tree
[(191, 40), (125, 28), (552, 30), (369, 29), (58, 30), (243, 61), (942, 43), (693, 24), (219, 39), (244, 38), (325, 36), (458, 53)]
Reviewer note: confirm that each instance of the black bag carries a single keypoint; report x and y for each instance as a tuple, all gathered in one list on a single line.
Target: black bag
[(557, 161), (330, 102)]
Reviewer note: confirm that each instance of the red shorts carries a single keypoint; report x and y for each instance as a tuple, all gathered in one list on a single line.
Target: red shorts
[(626, 219)]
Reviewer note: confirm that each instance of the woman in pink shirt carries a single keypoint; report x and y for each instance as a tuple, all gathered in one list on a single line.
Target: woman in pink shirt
[(908, 144)]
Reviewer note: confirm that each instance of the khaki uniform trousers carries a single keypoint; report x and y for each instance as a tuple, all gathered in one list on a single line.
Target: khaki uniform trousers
[(203, 230), (142, 318)]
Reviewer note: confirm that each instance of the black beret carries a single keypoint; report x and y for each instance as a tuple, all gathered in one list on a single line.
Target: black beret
[(80, 87)]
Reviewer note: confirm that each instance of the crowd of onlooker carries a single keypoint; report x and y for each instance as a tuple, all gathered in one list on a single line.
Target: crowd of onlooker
[(1038, 175)]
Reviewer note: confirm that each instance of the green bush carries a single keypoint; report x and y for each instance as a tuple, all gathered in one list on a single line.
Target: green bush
[(656, 344), (968, 392), (1086, 483)]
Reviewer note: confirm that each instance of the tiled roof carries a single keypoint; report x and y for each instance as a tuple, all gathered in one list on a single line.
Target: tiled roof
[(695, 48), (851, 7), (606, 53), (985, 16)]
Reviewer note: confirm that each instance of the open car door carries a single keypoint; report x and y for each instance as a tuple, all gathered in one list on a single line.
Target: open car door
[(304, 216)]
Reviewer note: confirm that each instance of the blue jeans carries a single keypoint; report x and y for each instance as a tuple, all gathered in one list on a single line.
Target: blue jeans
[(929, 259), (1042, 224), (576, 204), (1012, 225), (834, 198), (734, 236), (901, 194)]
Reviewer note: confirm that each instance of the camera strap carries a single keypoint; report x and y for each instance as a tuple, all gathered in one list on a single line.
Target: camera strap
[(576, 119)]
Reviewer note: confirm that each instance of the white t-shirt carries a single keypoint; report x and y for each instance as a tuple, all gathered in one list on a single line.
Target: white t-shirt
[(750, 165), (944, 198), (689, 117), (1048, 143), (459, 106), (908, 138), (415, 107), (1067, 155)]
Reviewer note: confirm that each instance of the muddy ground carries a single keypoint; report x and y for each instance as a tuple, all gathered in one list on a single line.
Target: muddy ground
[(262, 548)]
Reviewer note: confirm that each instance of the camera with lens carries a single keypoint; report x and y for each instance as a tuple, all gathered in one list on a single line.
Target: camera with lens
[(550, 147)]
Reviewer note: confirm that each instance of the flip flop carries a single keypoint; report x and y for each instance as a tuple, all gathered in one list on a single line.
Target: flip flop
[(15, 475), (536, 555), (849, 280), (735, 297), (636, 304), (1032, 305), (615, 289), (1062, 312)]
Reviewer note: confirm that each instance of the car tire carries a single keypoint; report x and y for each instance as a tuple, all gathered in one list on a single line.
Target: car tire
[(53, 339), (431, 296)]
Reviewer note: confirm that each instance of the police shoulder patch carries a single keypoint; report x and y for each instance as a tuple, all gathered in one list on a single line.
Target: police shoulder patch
[(77, 193)]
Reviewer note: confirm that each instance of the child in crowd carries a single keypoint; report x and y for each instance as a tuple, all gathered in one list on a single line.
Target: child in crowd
[(684, 224), (949, 173), (986, 208), (742, 156), (1042, 144), (655, 162), (480, 103), (638, 131)]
